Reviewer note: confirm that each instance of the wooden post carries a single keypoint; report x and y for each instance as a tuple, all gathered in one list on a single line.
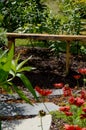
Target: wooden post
[(10, 42), (67, 56)]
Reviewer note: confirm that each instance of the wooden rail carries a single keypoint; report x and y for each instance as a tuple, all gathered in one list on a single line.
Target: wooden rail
[(68, 38)]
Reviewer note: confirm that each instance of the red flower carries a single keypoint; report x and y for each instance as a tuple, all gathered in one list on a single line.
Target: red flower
[(82, 70), (58, 85), (68, 113), (83, 94), (78, 101), (67, 91), (84, 109), (83, 128), (43, 92), (71, 100), (83, 116), (66, 87), (71, 127), (65, 108), (77, 77)]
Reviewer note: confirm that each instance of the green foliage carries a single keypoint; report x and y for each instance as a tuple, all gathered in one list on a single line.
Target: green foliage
[(81, 4), (3, 38), (83, 49), (13, 13), (72, 120), (71, 18), (58, 46), (33, 16), (9, 69)]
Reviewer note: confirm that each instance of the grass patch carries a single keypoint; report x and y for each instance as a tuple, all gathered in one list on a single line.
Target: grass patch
[(31, 43), (22, 42)]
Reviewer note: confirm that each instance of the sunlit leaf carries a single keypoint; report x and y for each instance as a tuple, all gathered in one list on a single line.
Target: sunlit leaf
[(27, 84), (22, 63), (28, 68), (22, 95), (7, 65)]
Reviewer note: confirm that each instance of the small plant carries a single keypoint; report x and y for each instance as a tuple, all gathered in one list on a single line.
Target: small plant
[(9, 69), (41, 114), (83, 50), (77, 77), (83, 72), (43, 94)]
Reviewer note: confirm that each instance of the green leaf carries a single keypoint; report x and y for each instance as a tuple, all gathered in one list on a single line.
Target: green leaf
[(3, 76), (13, 66), (22, 63), (16, 60), (7, 65), (22, 95), (28, 68), (2, 55), (12, 73), (27, 84)]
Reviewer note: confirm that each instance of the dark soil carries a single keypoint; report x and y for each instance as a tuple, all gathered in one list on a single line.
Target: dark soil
[(50, 68)]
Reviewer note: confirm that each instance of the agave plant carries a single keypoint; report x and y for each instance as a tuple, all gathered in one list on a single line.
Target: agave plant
[(11, 68)]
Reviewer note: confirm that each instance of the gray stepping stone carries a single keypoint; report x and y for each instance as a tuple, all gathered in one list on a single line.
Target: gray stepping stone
[(4, 97), (14, 109), (28, 124), (57, 92)]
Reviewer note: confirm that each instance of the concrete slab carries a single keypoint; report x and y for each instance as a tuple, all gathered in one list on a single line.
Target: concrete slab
[(13, 109), (28, 124)]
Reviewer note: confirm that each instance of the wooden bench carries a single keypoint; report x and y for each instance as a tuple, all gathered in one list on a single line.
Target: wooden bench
[(68, 38)]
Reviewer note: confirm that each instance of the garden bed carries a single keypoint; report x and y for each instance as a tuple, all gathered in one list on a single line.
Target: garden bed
[(50, 68)]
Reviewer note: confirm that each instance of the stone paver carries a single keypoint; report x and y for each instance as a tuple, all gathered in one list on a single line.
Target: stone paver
[(4, 97), (14, 109), (57, 92), (28, 124)]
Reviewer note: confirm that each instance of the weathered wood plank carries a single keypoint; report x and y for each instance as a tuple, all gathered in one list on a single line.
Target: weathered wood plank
[(47, 36)]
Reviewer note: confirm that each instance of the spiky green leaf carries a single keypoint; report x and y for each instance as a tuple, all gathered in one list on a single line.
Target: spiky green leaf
[(27, 84), (22, 63), (28, 68), (22, 95)]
